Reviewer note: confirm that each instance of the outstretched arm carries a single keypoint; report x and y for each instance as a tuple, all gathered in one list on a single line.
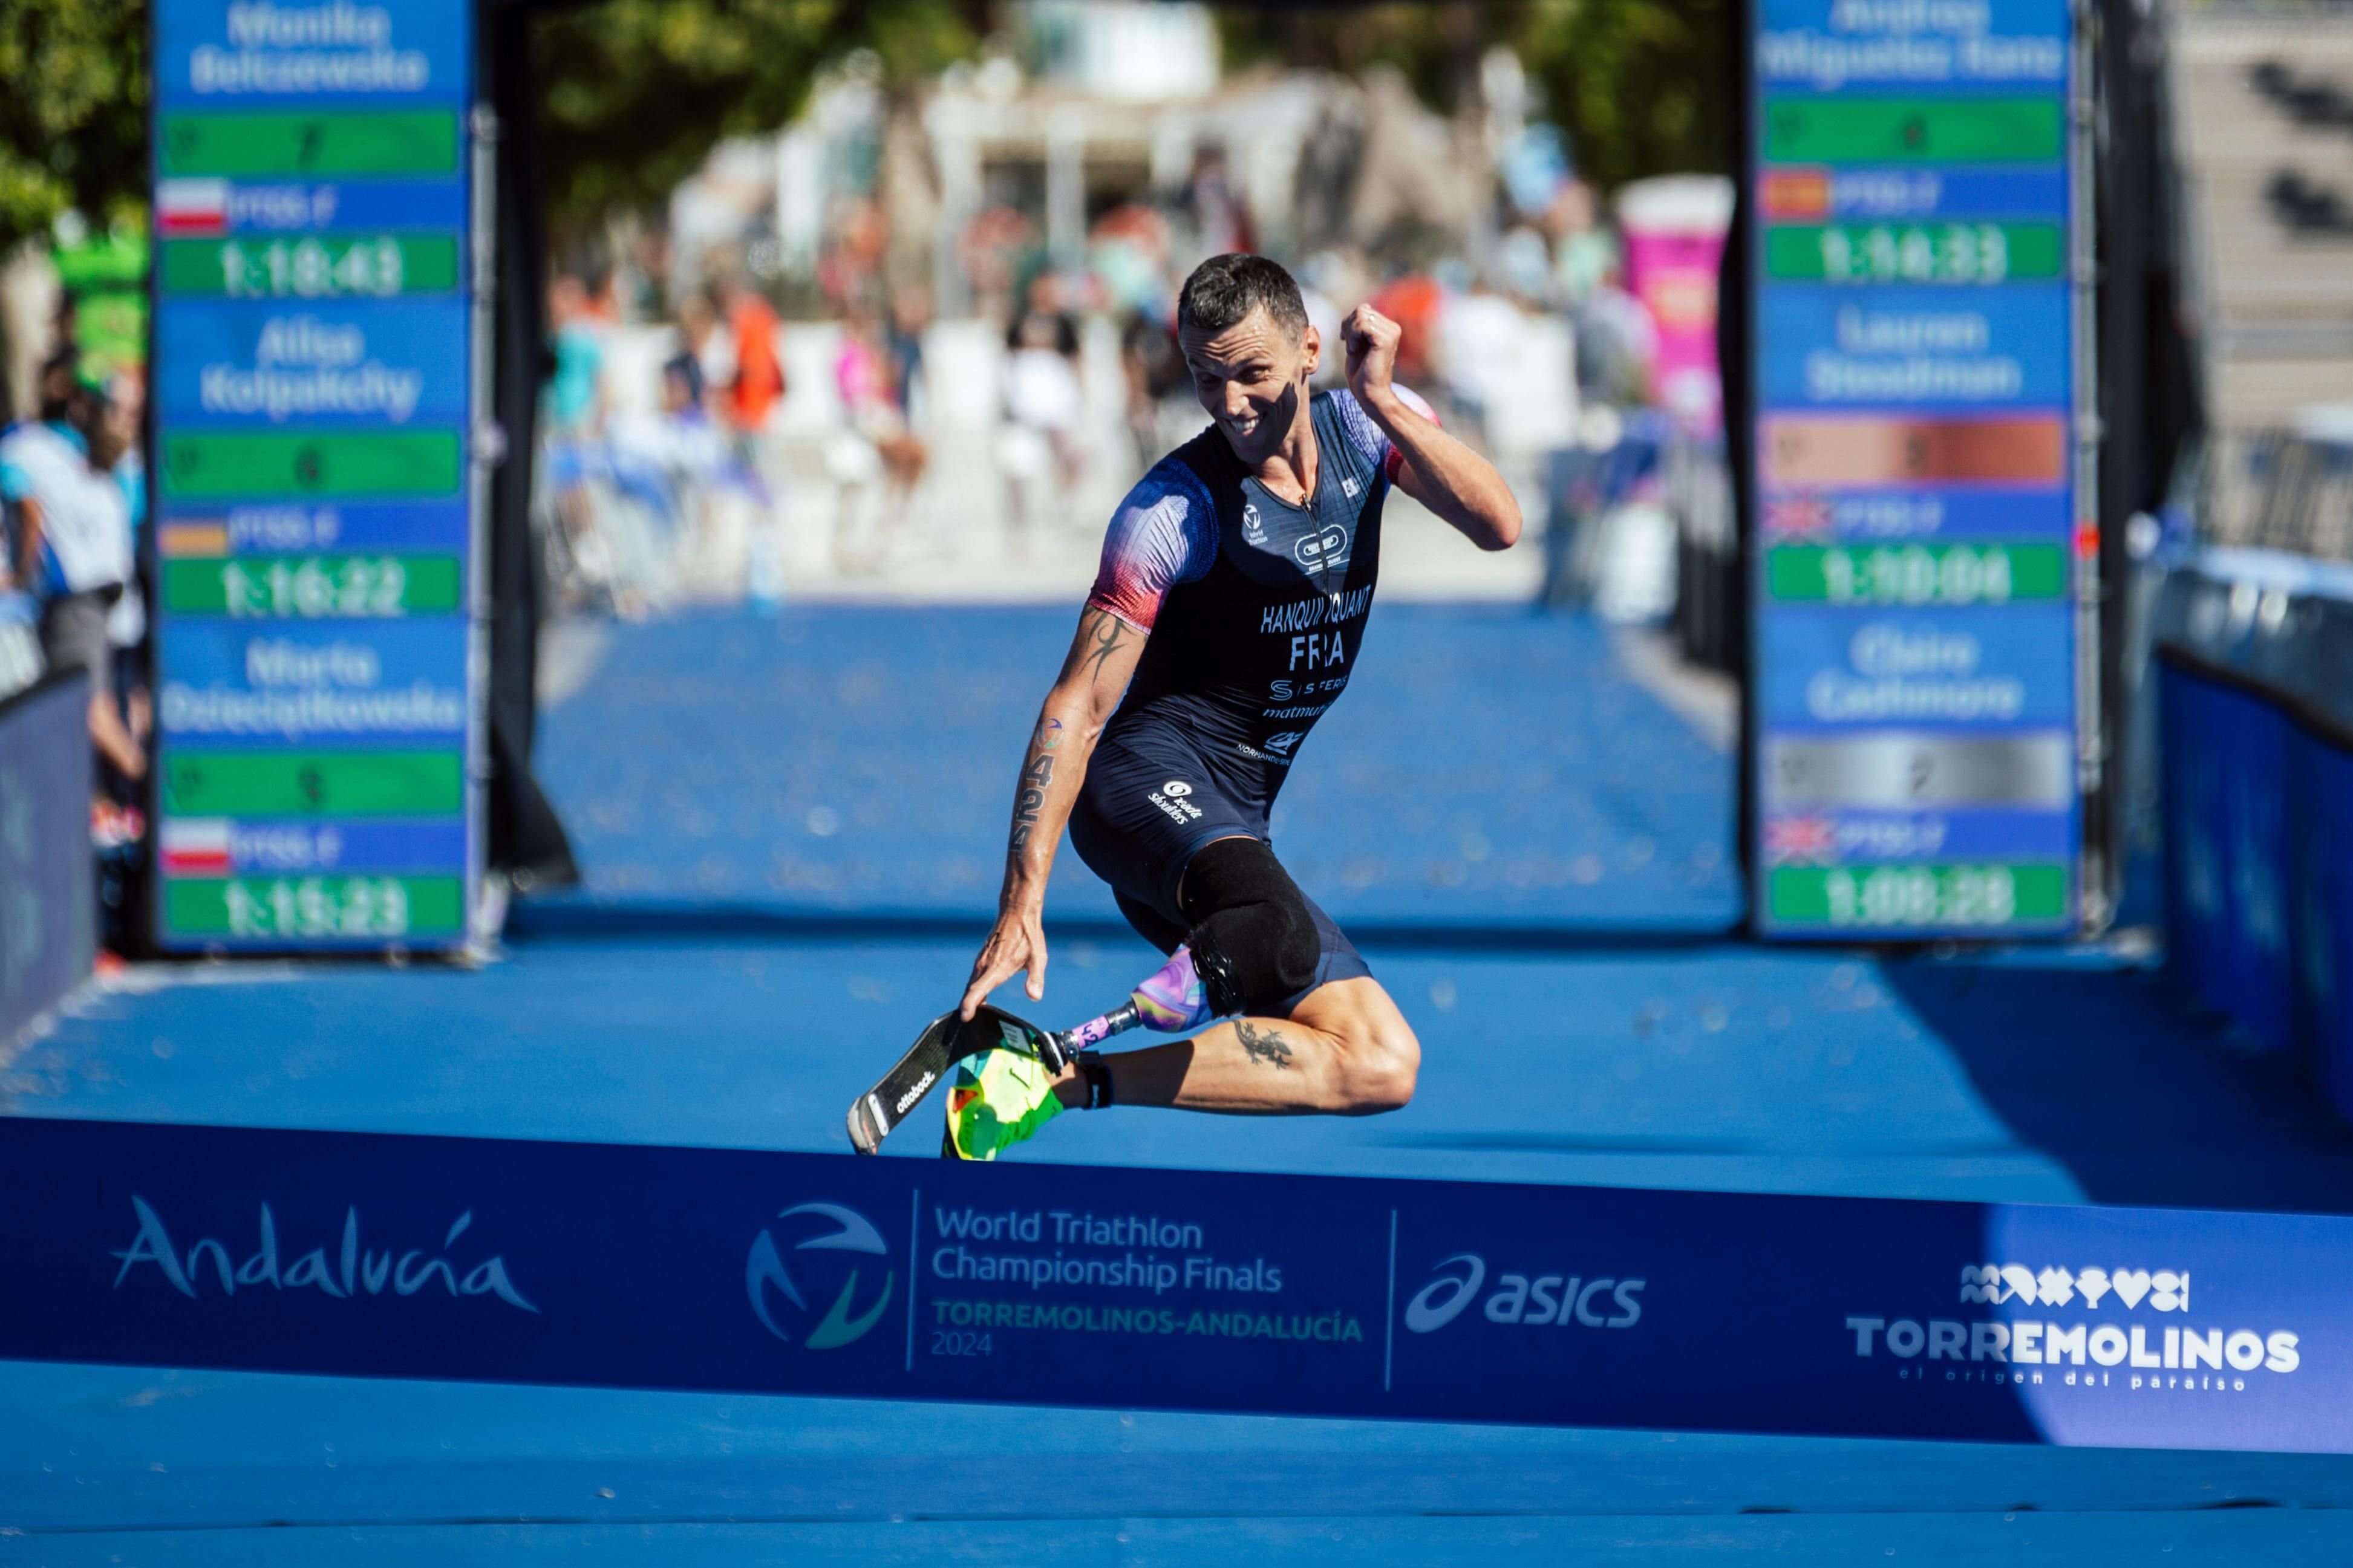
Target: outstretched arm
[(1054, 764), (1438, 471), (28, 541)]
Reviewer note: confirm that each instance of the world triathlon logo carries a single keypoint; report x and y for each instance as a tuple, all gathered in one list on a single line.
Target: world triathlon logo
[(764, 1270)]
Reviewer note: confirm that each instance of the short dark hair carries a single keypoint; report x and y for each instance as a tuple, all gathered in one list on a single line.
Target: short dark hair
[(1224, 289), (688, 368), (59, 404)]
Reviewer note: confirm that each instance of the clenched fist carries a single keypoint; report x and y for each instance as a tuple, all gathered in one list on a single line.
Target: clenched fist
[(1371, 340)]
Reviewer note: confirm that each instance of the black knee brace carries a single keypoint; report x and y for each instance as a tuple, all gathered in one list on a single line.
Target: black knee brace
[(1254, 944)]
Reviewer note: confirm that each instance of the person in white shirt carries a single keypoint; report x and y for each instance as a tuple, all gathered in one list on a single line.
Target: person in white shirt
[(1044, 402), (75, 547)]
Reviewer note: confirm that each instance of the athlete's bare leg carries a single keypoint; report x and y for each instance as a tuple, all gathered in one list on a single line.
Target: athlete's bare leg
[(1344, 1050)]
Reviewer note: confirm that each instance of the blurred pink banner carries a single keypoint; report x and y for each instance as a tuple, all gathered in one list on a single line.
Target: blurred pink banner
[(1673, 271)]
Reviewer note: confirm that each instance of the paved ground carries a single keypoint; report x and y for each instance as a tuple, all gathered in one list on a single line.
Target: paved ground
[(787, 824)]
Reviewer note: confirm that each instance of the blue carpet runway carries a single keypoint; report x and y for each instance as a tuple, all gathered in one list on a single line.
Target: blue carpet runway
[(1487, 769), (789, 828)]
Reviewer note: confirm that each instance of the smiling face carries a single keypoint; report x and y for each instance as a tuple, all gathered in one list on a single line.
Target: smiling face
[(1251, 379)]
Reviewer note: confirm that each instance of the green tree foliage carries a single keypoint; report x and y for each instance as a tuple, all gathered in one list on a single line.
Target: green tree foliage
[(1642, 87), (639, 90), (1436, 45), (73, 112)]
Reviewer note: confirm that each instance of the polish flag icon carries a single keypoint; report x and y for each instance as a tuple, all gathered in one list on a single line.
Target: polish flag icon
[(1800, 838), (195, 846), (184, 207)]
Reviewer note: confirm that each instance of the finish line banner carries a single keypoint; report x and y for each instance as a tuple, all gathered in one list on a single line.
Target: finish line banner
[(629, 1266)]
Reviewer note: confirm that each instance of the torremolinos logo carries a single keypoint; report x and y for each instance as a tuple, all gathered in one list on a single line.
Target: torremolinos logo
[(2085, 1320), (852, 1233), (1530, 1301)]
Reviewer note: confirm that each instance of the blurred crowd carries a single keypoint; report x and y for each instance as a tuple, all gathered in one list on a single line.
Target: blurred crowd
[(73, 497), (698, 444)]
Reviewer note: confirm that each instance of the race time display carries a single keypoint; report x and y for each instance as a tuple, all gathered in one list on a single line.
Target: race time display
[(315, 375), (1916, 479)]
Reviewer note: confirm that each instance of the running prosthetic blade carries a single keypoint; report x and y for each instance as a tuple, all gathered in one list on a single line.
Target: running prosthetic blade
[(944, 1041), (1168, 1002)]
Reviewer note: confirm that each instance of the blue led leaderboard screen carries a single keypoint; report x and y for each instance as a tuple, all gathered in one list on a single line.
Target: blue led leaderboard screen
[(314, 384), (1916, 570)]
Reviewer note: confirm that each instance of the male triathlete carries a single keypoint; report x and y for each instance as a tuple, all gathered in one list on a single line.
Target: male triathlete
[(1232, 594)]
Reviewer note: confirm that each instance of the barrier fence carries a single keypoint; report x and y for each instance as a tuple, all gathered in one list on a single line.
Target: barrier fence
[(2278, 490), (49, 890), (373, 1255), (2258, 821)]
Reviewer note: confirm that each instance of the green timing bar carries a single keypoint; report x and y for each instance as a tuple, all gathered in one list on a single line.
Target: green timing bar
[(1947, 253), (314, 267), (315, 784), (313, 908), (309, 144), (1914, 131), (1958, 897), (313, 587), (269, 466), (1943, 574)]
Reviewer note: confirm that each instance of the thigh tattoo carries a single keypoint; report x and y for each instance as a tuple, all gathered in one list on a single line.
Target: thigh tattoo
[(1263, 1045)]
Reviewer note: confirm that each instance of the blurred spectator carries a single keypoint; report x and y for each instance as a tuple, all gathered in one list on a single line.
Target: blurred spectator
[(1523, 268), (1127, 252), (1412, 299), (759, 382), (20, 614), (75, 543), (851, 269), (20, 610), (590, 541), (576, 399), (1582, 250), (115, 448), (997, 247), (1043, 403), (675, 458), (1534, 167), (1478, 331), (1219, 218), (118, 825), (1616, 343), (686, 419), (1324, 313), (712, 350), (879, 444), (1330, 160), (687, 471), (1155, 370), (910, 317), (1338, 275)]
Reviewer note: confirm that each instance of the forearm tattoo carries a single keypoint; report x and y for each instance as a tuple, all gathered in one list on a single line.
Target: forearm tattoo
[(1263, 1045), (1035, 775), (1108, 633)]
